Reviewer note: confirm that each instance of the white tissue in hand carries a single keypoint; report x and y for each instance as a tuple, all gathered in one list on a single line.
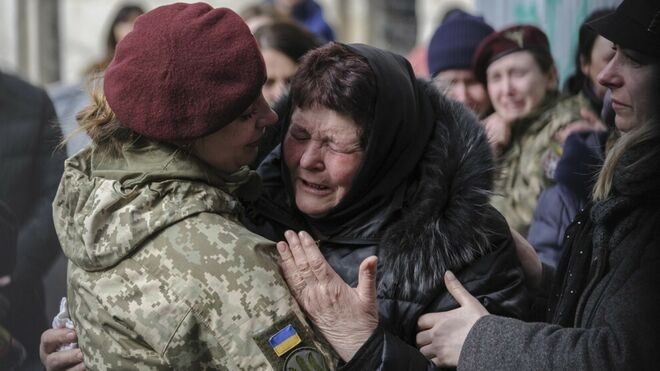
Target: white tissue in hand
[(62, 320)]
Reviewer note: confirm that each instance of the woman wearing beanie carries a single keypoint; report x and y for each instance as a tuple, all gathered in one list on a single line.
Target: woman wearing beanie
[(450, 55), (526, 130), (602, 310), (162, 275)]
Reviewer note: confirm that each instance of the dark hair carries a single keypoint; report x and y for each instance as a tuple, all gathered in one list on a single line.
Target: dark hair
[(126, 13), (287, 38), (586, 40), (339, 79)]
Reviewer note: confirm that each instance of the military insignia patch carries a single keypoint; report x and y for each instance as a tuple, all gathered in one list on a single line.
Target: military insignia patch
[(288, 345), (304, 359), (285, 340)]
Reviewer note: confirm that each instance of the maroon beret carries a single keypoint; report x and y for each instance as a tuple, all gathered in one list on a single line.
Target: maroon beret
[(185, 71), (509, 40)]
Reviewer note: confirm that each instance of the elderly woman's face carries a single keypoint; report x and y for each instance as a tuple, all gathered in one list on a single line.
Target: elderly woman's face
[(323, 153), (517, 85), (631, 77)]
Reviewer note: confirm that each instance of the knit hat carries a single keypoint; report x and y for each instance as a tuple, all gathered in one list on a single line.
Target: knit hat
[(509, 40), (454, 42), (634, 25), (185, 71)]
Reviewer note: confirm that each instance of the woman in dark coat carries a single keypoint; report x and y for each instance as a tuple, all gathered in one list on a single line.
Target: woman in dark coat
[(602, 312), (375, 162)]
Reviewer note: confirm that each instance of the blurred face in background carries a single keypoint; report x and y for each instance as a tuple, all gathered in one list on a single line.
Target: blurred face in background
[(279, 69), (461, 85), (633, 78), (286, 5), (122, 29), (601, 54), (517, 85)]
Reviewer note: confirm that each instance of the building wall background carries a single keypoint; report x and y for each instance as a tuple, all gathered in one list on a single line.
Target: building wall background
[(54, 40)]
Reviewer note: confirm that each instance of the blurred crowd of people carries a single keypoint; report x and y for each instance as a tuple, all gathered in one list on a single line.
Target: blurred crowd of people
[(498, 204)]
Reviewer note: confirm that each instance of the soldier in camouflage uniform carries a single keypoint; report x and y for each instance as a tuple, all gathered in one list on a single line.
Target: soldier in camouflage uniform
[(527, 165), (162, 275), (517, 67)]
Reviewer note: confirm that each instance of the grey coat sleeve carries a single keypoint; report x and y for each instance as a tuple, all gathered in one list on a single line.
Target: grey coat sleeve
[(624, 335)]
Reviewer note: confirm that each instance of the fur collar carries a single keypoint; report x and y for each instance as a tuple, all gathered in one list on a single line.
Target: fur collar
[(445, 223)]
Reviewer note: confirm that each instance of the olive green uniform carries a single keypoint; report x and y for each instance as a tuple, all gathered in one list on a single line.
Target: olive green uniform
[(527, 164)]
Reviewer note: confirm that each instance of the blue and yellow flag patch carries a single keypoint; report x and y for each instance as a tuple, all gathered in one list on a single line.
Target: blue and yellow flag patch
[(284, 340)]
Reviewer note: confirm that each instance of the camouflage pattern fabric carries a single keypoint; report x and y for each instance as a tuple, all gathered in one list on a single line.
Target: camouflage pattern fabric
[(527, 165), (161, 273)]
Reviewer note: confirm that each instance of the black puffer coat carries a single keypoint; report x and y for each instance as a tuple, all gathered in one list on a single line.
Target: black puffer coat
[(443, 221)]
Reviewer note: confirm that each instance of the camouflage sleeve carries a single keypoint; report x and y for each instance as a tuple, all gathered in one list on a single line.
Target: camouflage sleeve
[(205, 293), (242, 316)]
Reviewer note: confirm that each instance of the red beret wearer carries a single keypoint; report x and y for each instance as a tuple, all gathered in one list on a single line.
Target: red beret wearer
[(509, 40), (185, 71)]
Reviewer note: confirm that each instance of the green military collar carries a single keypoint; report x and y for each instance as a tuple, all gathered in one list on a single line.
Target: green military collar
[(145, 162)]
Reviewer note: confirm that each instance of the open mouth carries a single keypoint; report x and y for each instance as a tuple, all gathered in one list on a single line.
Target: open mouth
[(313, 187)]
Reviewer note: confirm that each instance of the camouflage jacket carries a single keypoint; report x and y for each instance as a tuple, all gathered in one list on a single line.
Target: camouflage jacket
[(527, 164), (163, 276)]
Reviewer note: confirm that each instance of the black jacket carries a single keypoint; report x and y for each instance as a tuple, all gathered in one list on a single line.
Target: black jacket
[(603, 310), (30, 167), (443, 221), (558, 205)]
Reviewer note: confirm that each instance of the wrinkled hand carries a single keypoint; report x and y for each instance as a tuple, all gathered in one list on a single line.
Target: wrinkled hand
[(346, 316), (51, 340), (589, 122), (442, 334), (498, 131), (529, 260)]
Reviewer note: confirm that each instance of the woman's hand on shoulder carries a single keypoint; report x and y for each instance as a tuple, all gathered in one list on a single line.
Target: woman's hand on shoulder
[(53, 360), (443, 334), (346, 316), (589, 122)]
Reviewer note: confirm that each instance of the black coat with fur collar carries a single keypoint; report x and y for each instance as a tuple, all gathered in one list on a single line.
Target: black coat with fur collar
[(443, 221)]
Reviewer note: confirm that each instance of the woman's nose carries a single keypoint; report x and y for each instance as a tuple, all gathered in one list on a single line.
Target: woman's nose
[(608, 77), (312, 156)]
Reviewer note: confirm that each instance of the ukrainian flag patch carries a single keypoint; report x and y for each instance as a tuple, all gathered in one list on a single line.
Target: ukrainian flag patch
[(284, 340)]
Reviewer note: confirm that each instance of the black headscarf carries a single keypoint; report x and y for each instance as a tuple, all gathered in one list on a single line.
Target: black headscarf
[(403, 123)]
